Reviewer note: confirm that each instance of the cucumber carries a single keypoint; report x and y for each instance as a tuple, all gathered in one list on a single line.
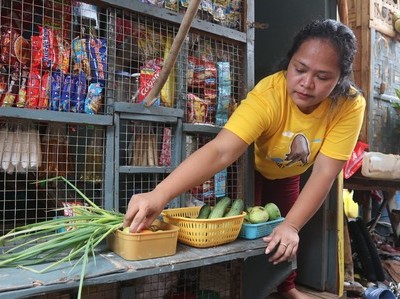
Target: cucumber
[(236, 208), (219, 209), (204, 212)]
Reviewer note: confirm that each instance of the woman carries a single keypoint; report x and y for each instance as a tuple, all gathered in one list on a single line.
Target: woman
[(308, 113)]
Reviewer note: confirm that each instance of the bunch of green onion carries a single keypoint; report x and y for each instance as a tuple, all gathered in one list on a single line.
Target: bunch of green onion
[(40, 242)]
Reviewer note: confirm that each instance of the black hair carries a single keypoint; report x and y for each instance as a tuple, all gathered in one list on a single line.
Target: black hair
[(345, 43)]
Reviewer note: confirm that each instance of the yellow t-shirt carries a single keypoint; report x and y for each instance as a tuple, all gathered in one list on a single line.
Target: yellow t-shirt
[(287, 141)]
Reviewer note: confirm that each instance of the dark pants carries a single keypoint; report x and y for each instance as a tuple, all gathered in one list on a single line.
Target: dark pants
[(283, 193)]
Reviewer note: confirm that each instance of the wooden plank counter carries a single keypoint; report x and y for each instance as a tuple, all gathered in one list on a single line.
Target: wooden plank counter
[(109, 268)]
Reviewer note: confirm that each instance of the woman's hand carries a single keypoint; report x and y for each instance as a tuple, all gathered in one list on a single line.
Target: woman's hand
[(142, 210), (282, 243)]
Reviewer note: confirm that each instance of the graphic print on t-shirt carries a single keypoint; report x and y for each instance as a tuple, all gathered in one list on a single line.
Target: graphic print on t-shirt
[(299, 150)]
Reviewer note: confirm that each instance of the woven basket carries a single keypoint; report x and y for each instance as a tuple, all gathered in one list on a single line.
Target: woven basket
[(203, 233)]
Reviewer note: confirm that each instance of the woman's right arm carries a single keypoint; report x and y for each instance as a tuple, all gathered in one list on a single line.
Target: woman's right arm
[(214, 156)]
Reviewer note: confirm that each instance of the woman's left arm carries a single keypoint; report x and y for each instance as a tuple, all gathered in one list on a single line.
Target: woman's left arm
[(313, 194)]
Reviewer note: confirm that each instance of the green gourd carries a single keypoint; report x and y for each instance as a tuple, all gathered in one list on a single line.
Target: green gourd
[(236, 208), (219, 209)]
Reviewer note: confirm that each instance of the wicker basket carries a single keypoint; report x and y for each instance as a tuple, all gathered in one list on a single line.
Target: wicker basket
[(203, 232)]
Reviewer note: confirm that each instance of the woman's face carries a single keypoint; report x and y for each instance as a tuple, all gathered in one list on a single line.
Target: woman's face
[(312, 74)]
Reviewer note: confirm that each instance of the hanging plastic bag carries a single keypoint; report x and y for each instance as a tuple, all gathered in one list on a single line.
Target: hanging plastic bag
[(355, 161)]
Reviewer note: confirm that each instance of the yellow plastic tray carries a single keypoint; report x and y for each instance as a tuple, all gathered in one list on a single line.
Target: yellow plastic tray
[(145, 245)]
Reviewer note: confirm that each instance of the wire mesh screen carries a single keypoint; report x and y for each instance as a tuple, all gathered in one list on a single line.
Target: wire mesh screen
[(53, 56), (207, 83), (222, 12), (32, 155), (141, 46), (227, 182), (144, 143), (148, 147), (210, 69), (222, 281), (214, 79), (130, 184), (71, 56)]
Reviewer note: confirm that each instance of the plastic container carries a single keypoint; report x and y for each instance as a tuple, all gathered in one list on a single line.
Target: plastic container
[(254, 231), (145, 245), (378, 293), (203, 233)]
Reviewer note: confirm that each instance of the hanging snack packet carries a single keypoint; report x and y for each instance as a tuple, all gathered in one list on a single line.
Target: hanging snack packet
[(97, 54), (55, 90), (65, 99), (220, 179), (9, 98), (3, 79), (78, 92), (224, 93), (196, 109), (22, 50), (196, 72), (44, 91), (80, 60), (94, 98), (22, 90), (33, 89), (168, 90), (210, 96), (204, 192), (165, 157), (148, 77), (36, 50), (172, 5), (64, 53), (7, 49), (50, 58)]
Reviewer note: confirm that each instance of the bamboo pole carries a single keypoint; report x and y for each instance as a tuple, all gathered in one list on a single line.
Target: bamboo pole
[(343, 11)]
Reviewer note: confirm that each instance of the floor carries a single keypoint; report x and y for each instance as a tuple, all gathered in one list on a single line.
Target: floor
[(311, 293)]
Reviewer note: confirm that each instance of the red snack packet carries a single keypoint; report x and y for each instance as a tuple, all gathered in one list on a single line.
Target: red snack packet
[(7, 50), (210, 74), (196, 109), (9, 98), (33, 89), (3, 82), (205, 191), (22, 50), (44, 91), (148, 77), (36, 50), (22, 90), (196, 72), (63, 51), (355, 161), (165, 157)]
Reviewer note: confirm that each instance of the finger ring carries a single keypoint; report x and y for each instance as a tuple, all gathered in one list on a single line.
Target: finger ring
[(283, 244)]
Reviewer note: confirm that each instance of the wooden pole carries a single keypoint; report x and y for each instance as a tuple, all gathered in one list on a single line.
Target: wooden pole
[(343, 11)]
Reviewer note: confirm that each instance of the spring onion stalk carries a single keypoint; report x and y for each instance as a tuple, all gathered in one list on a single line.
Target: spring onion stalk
[(40, 242)]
